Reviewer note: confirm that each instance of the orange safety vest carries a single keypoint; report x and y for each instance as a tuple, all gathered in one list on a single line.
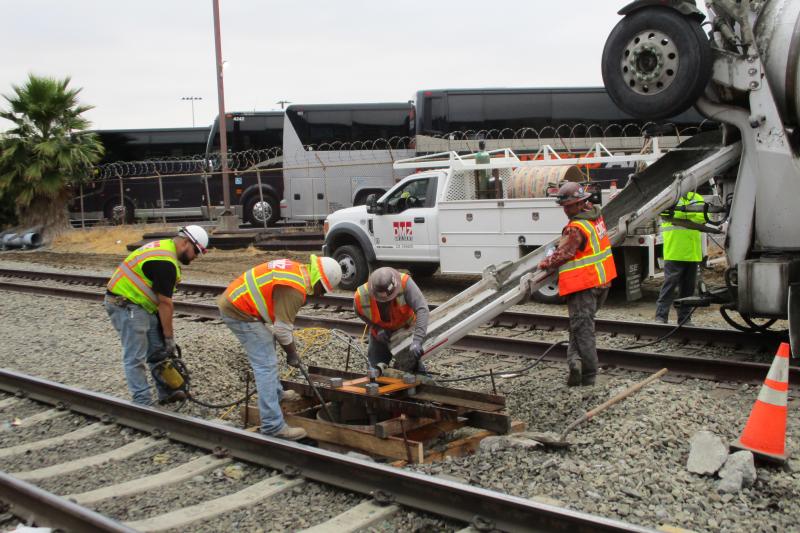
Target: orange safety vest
[(593, 265), (400, 313), (251, 293)]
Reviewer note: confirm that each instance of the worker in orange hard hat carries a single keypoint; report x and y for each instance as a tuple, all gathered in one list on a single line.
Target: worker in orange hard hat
[(585, 270)]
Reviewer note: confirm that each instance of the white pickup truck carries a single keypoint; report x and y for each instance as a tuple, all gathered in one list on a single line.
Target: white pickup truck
[(442, 219)]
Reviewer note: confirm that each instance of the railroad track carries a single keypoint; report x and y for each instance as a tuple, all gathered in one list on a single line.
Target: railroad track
[(70, 435), (679, 365), (637, 331)]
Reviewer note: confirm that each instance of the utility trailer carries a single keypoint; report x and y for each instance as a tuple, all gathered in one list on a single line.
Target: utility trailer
[(745, 74)]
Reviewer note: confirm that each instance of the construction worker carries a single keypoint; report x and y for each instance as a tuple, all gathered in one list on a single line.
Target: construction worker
[(139, 302), (683, 252), (585, 270), (259, 307), (390, 301)]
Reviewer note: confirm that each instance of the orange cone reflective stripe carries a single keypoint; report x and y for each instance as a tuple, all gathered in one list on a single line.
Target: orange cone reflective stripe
[(765, 431)]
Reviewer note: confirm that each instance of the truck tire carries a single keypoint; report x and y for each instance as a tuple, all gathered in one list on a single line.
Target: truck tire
[(255, 210), (656, 63), (355, 269), (548, 294)]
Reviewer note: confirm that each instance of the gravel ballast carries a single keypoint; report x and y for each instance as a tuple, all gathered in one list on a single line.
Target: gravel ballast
[(628, 463)]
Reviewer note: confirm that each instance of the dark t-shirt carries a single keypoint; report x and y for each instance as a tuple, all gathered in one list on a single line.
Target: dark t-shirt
[(162, 274)]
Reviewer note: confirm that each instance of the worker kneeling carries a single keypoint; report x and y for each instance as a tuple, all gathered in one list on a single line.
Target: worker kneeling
[(259, 307), (388, 302), (585, 270)]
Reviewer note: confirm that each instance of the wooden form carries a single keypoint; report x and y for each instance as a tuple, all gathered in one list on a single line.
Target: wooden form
[(407, 419)]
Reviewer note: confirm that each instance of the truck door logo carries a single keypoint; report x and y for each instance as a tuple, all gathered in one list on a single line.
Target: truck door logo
[(403, 231)]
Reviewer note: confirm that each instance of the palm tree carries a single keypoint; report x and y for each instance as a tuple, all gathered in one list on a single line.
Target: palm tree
[(46, 154)]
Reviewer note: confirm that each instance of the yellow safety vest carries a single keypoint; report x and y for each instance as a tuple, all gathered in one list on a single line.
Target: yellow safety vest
[(130, 281), (684, 244)]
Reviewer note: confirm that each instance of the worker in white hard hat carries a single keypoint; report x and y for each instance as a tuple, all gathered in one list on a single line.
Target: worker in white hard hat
[(260, 307), (139, 302)]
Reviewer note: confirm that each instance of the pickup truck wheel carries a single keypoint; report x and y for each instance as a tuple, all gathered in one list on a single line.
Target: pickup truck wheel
[(548, 294), (355, 269), (656, 63)]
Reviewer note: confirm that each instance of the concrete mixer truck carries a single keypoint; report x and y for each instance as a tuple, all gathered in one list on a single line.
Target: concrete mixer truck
[(739, 65)]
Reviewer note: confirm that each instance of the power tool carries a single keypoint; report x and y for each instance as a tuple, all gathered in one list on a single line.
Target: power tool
[(170, 372)]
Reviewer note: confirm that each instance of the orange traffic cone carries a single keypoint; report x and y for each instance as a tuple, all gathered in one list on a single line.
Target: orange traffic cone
[(765, 431)]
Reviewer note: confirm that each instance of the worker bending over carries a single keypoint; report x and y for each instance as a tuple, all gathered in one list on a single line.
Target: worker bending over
[(259, 307), (139, 302), (390, 301), (683, 252), (585, 270)]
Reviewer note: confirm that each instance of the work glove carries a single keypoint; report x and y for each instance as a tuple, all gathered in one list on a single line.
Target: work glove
[(383, 336), (169, 346), (292, 359), (416, 350)]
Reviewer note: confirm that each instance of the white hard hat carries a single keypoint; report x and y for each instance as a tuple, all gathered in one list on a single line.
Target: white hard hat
[(331, 272), (197, 236)]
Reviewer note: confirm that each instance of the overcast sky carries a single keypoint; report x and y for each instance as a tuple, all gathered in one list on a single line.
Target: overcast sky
[(136, 59)]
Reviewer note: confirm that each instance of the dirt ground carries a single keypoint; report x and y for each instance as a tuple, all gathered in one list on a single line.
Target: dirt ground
[(101, 249)]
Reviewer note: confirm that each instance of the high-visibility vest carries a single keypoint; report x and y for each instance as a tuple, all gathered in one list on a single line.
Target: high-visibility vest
[(130, 281), (684, 244), (251, 293), (593, 265), (400, 313)]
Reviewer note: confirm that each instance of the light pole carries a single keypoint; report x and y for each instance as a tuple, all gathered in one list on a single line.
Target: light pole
[(282, 103), (192, 99)]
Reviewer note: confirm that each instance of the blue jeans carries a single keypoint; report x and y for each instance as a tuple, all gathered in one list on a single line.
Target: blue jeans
[(259, 344), (140, 335)]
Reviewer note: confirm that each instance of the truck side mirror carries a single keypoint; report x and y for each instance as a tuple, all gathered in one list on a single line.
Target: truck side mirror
[(373, 207)]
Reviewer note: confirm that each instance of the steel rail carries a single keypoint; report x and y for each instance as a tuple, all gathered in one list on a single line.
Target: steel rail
[(760, 342), (28, 501), (689, 366), (442, 497)]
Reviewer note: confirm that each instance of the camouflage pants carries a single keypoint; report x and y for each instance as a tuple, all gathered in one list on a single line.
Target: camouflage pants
[(582, 307)]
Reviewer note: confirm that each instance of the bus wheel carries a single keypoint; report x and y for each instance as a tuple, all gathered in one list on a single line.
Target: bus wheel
[(355, 269), (119, 214), (656, 63), (548, 294), (256, 211)]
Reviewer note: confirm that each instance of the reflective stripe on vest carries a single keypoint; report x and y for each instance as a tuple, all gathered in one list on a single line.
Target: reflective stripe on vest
[(593, 265), (400, 313), (130, 281), (251, 292)]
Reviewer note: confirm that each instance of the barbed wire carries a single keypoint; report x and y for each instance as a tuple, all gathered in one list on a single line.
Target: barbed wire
[(348, 153)]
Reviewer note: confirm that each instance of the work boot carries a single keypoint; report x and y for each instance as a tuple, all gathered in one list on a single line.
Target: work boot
[(290, 433), (177, 396), (290, 396), (574, 378), (588, 381), (660, 320)]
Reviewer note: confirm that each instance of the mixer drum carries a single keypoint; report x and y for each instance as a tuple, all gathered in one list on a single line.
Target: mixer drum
[(777, 32)]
